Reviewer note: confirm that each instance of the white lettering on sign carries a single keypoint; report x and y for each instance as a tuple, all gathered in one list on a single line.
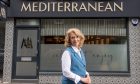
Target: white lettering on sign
[(71, 7)]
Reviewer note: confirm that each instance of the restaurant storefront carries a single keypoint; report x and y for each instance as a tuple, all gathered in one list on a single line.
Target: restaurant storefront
[(35, 36)]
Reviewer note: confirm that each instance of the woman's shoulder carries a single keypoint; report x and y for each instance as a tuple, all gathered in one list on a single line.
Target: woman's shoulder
[(67, 50)]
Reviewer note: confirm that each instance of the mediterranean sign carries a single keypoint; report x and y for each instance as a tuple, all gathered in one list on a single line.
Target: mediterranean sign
[(73, 8)]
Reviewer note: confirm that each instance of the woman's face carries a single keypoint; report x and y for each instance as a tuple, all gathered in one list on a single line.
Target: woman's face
[(75, 40)]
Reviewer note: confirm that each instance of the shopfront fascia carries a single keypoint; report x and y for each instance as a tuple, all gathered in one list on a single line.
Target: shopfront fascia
[(73, 8), (39, 29)]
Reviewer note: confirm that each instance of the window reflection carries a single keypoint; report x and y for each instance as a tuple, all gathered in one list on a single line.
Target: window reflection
[(91, 39), (105, 44)]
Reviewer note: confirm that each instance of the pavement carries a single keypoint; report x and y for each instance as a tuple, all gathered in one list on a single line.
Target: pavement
[(16, 83)]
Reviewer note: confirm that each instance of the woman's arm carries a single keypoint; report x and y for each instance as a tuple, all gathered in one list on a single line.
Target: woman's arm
[(66, 65), (86, 80)]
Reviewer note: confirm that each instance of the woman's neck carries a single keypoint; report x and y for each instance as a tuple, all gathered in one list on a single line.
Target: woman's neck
[(77, 47)]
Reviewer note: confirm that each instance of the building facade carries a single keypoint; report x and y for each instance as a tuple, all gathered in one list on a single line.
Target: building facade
[(34, 38)]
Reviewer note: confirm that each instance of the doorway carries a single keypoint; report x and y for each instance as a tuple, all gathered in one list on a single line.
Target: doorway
[(26, 54)]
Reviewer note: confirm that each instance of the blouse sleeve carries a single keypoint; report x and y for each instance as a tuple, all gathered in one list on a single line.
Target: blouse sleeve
[(66, 65)]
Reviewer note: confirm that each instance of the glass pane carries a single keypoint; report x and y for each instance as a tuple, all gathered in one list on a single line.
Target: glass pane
[(112, 57), (105, 44), (26, 69), (51, 56), (27, 22), (27, 43)]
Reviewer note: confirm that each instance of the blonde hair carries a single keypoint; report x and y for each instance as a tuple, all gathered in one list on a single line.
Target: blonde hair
[(78, 33)]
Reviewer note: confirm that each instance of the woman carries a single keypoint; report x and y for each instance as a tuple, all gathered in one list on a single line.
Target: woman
[(73, 59)]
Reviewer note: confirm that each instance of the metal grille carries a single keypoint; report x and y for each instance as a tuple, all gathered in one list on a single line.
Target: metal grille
[(113, 27)]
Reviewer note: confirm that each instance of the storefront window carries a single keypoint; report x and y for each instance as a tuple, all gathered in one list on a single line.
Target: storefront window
[(105, 45)]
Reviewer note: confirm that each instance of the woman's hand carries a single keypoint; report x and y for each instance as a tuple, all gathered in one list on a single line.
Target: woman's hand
[(86, 80), (89, 79)]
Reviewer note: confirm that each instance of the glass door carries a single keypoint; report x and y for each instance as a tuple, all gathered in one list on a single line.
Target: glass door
[(26, 53)]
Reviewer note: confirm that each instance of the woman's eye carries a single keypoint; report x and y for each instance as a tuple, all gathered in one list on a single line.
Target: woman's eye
[(74, 37), (77, 36)]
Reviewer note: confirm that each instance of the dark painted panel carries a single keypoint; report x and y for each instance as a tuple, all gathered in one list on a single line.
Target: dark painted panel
[(130, 8)]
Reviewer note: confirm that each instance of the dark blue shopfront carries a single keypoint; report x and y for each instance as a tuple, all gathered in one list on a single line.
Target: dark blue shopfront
[(72, 8), (39, 27)]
